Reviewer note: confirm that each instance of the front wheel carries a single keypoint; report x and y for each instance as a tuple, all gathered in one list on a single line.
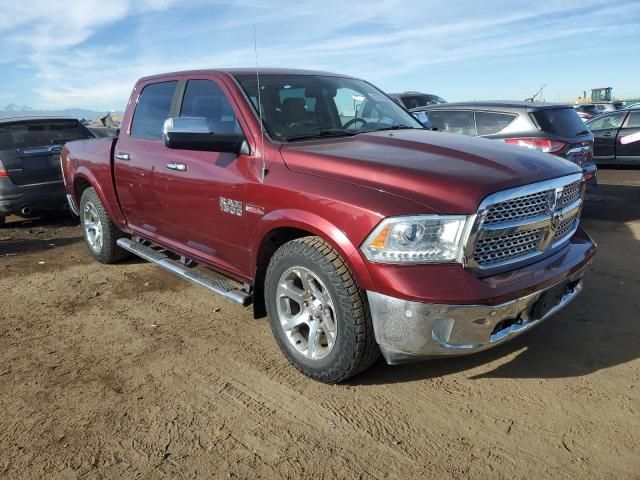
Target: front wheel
[(100, 232), (319, 317)]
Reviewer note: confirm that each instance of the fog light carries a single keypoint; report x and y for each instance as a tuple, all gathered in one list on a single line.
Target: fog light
[(441, 330)]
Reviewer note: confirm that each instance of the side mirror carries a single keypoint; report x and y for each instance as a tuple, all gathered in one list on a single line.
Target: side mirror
[(195, 133)]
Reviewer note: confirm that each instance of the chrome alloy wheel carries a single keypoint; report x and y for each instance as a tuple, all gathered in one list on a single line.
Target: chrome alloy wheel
[(92, 227), (306, 312)]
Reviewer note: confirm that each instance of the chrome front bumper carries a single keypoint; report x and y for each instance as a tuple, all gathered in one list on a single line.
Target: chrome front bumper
[(408, 331)]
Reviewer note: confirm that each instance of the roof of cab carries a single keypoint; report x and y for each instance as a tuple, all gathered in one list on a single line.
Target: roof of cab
[(247, 71)]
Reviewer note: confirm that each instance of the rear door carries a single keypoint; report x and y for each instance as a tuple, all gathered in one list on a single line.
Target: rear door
[(605, 129), (141, 156), (628, 141), (30, 149)]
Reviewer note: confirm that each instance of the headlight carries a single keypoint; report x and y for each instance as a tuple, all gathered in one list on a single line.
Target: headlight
[(419, 239)]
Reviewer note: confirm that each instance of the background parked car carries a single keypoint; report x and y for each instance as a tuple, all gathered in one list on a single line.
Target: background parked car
[(548, 127), (30, 176), (586, 111), (612, 133), (411, 100), (609, 107)]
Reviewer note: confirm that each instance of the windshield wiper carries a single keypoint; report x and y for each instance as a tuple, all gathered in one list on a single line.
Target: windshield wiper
[(397, 126), (583, 132), (332, 132)]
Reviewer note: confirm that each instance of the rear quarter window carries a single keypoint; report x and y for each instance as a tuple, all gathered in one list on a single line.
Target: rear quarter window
[(489, 123), (41, 133), (560, 121), (453, 121)]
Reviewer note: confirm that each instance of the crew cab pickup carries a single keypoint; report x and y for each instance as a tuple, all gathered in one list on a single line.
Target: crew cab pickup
[(357, 235)]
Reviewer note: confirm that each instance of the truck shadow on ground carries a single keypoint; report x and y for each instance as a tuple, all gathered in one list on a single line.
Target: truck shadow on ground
[(599, 330), (21, 246), (62, 219), (30, 235)]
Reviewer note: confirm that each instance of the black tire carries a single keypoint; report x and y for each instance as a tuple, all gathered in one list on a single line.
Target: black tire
[(354, 348), (109, 251)]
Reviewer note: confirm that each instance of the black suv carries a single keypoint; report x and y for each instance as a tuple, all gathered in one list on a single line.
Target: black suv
[(30, 175), (411, 100), (548, 127)]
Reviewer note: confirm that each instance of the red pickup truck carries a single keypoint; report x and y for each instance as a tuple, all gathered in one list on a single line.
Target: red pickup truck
[(324, 204)]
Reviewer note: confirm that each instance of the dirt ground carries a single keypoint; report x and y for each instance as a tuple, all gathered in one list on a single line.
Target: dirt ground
[(125, 371)]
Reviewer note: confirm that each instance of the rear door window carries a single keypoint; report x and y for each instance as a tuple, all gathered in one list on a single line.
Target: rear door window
[(41, 133), (489, 123), (154, 105), (560, 121), (204, 98), (453, 121)]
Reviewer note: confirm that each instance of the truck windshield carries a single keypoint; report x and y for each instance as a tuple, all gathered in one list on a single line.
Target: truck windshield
[(296, 107)]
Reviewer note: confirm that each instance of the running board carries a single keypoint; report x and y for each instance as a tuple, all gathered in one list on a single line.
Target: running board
[(214, 283)]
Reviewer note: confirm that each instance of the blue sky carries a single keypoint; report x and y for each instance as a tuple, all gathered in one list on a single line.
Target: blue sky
[(88, 53)]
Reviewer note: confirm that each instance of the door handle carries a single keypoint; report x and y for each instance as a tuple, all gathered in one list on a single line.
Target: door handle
[(180, 167), (608, 134), (125, 157)]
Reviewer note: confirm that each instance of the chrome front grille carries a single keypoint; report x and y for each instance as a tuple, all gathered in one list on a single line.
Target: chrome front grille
[(565, 227), (504, 247), (571, 193), (517, 209), (520, 224)]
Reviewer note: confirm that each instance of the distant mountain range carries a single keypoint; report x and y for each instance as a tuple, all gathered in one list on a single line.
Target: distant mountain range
[(13, 110)]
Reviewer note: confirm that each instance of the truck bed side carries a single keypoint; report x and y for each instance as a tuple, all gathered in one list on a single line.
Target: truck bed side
[(89, 163)]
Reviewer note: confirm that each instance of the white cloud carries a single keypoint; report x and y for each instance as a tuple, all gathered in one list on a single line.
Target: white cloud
[(82, 55)]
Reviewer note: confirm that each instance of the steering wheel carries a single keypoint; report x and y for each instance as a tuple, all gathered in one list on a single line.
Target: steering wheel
[(353, 121)]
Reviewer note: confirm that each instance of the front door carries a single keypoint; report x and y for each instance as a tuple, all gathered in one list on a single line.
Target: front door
[(604, 129), (203, 192)]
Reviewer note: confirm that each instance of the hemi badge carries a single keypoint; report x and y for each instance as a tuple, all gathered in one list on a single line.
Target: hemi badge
[(254, 209)]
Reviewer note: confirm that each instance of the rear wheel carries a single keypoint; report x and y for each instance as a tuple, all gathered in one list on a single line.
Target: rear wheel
[(318, 315), (100, 232)]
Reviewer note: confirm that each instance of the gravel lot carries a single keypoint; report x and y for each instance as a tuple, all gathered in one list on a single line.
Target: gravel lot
[(125, 371)]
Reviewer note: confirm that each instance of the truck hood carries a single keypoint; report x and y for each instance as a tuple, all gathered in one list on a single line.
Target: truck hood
[(447, 173)]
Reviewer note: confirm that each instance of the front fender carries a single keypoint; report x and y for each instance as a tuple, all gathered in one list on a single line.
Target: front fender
[(319, 226)]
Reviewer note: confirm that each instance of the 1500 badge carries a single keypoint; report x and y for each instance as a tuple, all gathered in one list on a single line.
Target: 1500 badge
[(233, 207)]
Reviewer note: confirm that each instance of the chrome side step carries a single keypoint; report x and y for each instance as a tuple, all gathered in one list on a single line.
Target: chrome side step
[(216, 284)]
